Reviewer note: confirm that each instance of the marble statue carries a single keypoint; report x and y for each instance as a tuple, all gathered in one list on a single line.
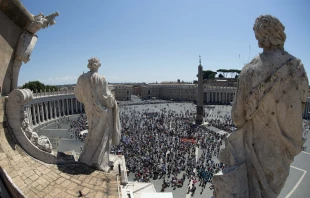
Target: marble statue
[(41, 22), (267, 112), (102, 115), (42, 142)]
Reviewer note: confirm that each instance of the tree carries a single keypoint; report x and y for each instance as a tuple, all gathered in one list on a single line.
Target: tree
[(221, 76), (234, 72), (208, 74), (195, 82), (37, 86), (224, 72), (34, 86)]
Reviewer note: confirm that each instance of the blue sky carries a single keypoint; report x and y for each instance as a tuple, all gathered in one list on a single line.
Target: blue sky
[(156, 40)]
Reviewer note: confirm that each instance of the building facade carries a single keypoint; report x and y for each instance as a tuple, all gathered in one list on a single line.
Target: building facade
[(220, 90), (121, 92), (169, 91)]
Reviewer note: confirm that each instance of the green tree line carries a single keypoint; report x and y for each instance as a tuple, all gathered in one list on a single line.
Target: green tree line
[(37, 87), (233, 72), (209, 74)]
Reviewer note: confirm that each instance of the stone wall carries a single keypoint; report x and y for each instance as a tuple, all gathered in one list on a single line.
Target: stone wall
[(3, 123), (9, 36), (14, 19)]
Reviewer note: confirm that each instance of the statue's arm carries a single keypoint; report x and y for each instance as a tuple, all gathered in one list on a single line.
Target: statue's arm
[(304, 87), (238, 111), (77, 90), (107, 95)]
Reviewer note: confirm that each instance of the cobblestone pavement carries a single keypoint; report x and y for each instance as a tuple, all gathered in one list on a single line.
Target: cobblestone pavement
[(37, 179)]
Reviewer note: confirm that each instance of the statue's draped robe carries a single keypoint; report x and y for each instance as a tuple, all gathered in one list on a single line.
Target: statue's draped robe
[(267, 111), (103, 119)]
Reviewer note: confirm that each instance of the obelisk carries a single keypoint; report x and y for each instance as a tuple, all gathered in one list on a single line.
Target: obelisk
[(199, 99)]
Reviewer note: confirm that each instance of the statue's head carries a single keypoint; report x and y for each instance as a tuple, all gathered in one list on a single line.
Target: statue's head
[(269, 32), (94, 64)]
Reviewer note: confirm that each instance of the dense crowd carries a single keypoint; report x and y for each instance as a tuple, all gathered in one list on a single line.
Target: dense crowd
[(161, 144), (164, 145), (79, 125)]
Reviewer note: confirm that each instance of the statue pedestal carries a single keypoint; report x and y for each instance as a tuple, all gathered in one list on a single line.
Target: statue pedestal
[(119, 167)]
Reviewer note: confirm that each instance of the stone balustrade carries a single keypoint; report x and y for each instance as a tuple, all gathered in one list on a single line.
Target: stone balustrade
[(47, 106), (19, 105), (52, 93)]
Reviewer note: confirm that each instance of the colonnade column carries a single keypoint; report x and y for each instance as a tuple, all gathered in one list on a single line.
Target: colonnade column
[(34, 114), (59, 108), (46, 111), (55, 109), (71, 106), (227, 94), (209, 96), (63, 106), (76, 105), (215, 97), (67, 106), (226, 97), (50, 106), (42, 111), (38, 112)]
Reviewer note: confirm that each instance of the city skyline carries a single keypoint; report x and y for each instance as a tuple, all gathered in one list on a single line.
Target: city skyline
[(140, 41)]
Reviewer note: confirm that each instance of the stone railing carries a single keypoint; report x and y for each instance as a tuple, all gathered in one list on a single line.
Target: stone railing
[(52, 93), (19, 123), (52, 105)]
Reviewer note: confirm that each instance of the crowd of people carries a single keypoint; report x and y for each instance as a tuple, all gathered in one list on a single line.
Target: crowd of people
[(162, 144), (79, 125), (167, 145)]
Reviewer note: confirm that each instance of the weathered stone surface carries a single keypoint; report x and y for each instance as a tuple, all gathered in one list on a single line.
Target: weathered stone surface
[(41, 22), (44, 144), (17, 40), (119, 160), (232, 183), (16, 12), (34, 138), (37, 179), (102, 115), (19, 124), (9, 36), (267, 111)]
